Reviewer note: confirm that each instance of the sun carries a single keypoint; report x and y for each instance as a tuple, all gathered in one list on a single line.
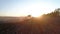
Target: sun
[(34, 13)]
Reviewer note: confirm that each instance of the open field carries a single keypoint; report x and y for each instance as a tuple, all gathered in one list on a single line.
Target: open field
[(31, 26)]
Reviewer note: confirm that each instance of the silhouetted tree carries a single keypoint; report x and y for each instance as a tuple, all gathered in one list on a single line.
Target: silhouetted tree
[(55, 13)]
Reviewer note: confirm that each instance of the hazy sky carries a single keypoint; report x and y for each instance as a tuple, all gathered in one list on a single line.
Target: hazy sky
[(25, 7)]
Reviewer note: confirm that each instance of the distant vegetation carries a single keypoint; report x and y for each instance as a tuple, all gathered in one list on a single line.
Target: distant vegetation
[(55, 13), (47, 24)]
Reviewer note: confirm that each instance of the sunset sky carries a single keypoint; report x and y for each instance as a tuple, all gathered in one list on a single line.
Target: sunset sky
[(26, 7)]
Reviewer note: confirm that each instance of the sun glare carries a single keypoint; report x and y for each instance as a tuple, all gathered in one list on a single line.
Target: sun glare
[(35, 10), (35, 14)]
